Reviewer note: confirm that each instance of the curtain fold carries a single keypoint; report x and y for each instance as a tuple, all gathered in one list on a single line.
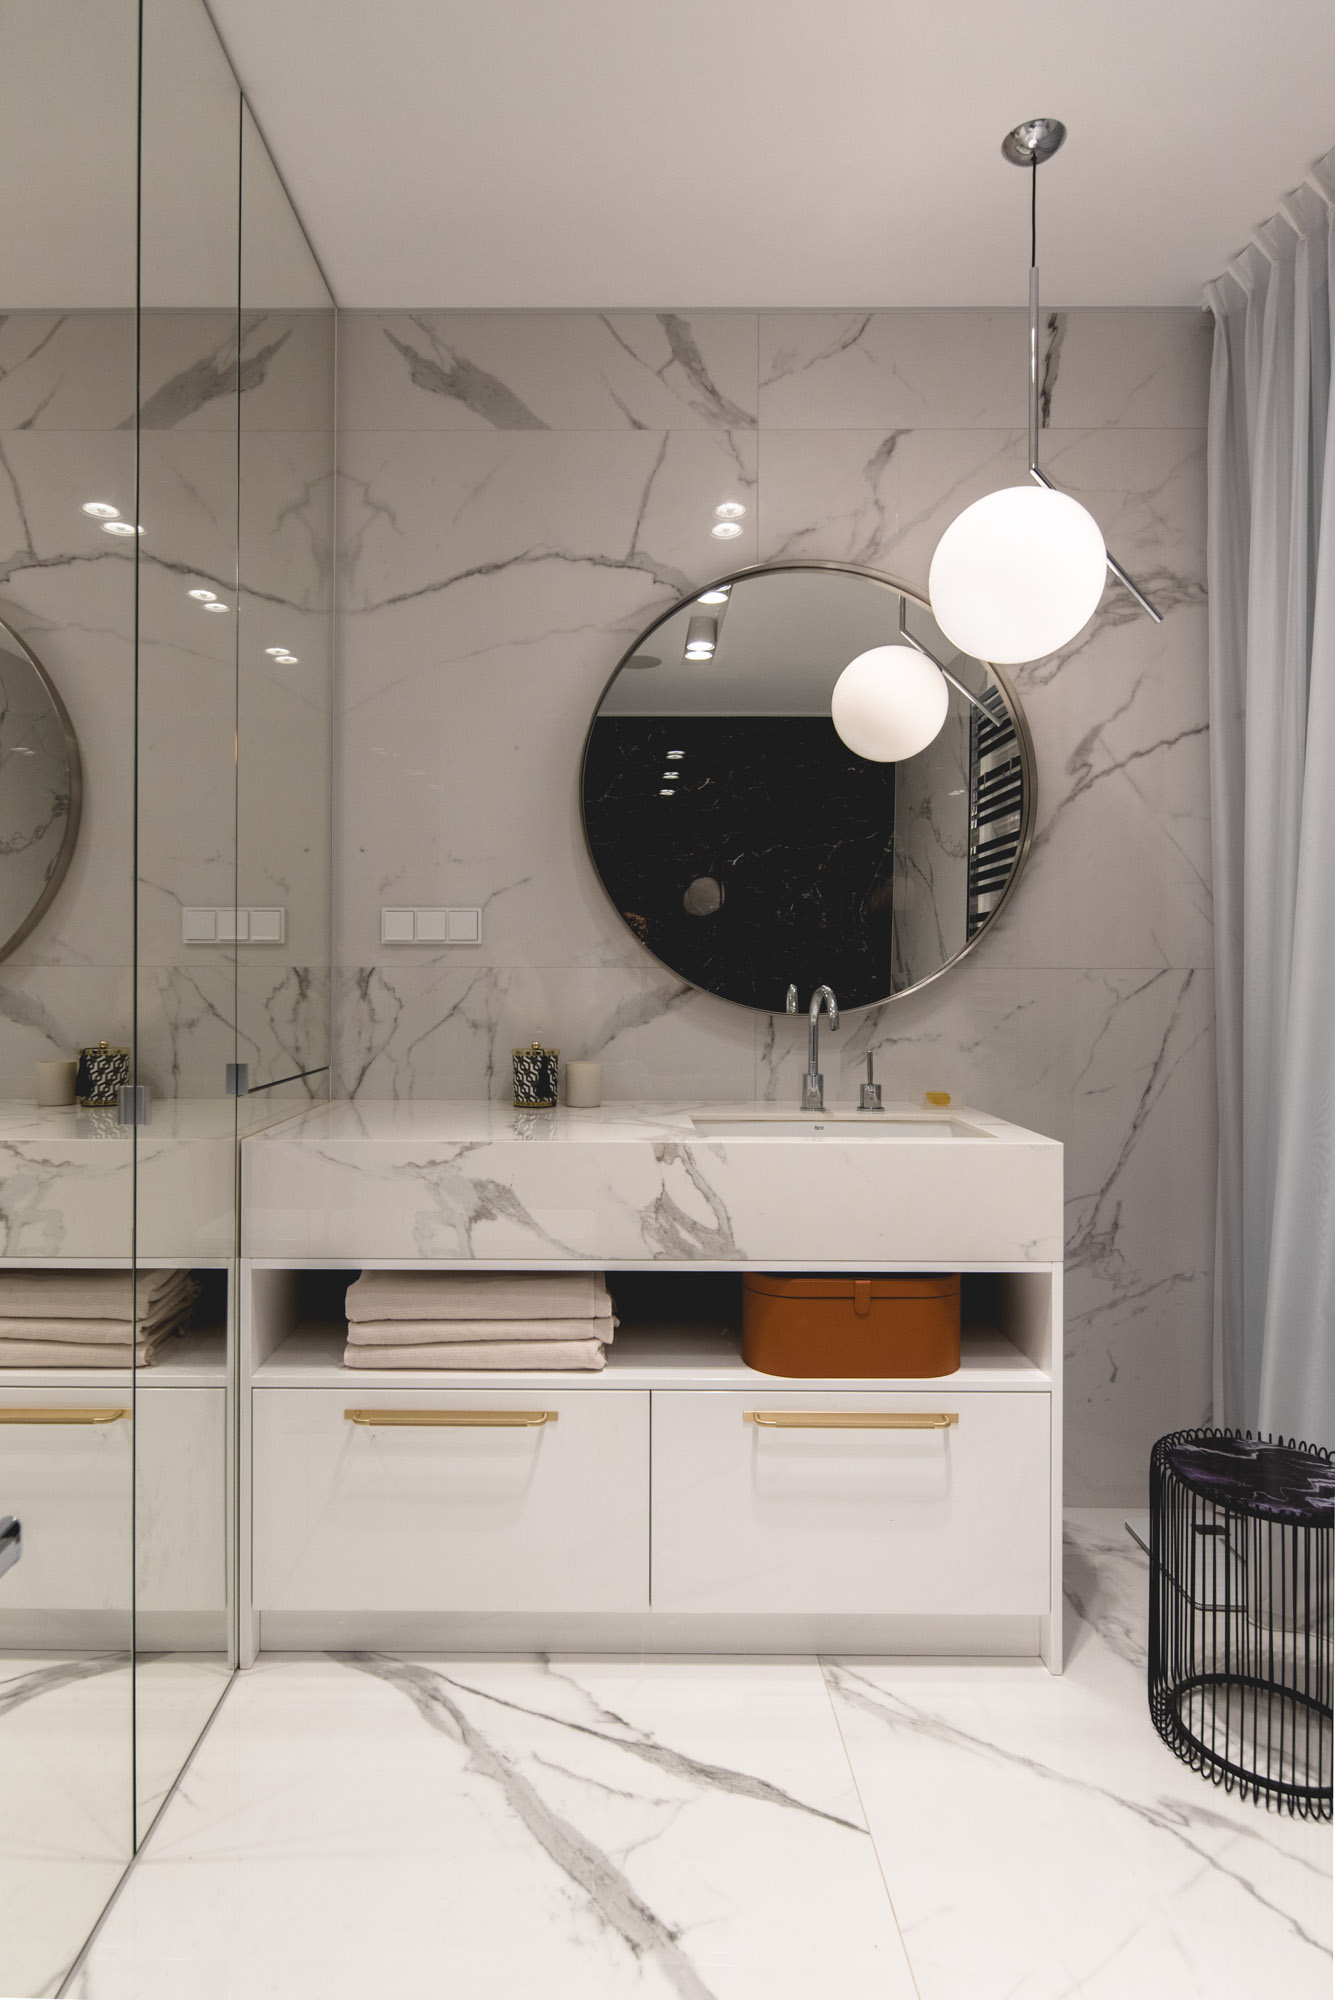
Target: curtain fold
[(1271, 571)]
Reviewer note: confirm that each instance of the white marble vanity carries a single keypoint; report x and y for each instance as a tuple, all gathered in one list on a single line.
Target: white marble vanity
[(647, 1508)]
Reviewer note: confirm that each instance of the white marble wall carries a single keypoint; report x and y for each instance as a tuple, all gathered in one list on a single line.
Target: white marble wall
[(67, 410), (521, 492)]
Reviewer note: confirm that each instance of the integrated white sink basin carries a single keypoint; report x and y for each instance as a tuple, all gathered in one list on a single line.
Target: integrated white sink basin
[(871, 1125)]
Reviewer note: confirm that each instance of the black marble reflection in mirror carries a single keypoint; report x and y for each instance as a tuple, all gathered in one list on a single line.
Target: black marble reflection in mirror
[(768, 859)]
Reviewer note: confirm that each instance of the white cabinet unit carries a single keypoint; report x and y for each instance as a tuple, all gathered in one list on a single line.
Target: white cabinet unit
[(375, 1499), (932, 1503)]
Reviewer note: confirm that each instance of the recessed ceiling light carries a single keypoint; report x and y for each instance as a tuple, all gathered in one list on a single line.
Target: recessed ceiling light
[(712, 597), (675, 753), (730, 510), (101, 510), (215, 606), (120, 528), (726, 531), (204, 596)]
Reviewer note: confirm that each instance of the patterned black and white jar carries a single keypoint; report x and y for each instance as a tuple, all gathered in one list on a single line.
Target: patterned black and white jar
[(100, 1074), (535, 1074)]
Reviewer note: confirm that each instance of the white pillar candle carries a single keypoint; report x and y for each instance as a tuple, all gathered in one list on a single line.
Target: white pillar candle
[(55, 1082), (584, 1084)]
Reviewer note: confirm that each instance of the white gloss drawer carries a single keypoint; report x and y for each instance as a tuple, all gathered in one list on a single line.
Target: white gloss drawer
[(921, 1503), (474, 1500), (67, 1471)]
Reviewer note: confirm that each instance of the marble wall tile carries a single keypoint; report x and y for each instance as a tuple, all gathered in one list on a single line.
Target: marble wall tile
[(491, 582), (71, 371), (448, 1031), (548, 371)]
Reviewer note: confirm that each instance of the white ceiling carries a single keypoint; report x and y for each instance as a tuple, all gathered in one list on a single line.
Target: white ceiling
[(779, 153)]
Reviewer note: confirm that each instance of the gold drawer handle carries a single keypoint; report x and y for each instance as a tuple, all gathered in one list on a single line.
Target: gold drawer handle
[(39, 1414), (485, 1420), (852, 1420)]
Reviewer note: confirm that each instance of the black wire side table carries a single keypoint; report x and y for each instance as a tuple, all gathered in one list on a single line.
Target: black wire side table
[(1240, 1659)]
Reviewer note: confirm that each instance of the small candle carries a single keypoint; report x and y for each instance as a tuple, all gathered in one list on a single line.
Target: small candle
[(55, 1082), (584, 1084)]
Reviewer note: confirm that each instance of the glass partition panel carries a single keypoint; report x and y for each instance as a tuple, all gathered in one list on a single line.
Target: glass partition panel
[(284, 649), (68, 168), (192, 370)]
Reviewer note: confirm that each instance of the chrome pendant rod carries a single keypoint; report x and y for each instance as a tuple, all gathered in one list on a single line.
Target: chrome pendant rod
[(1115, 569), (944, 672)]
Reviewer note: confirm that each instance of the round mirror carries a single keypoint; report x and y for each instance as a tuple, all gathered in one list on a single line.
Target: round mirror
[(748, 847), (40, 791)]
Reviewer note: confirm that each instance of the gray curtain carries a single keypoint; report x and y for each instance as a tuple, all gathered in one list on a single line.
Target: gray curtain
[(1271, 563)]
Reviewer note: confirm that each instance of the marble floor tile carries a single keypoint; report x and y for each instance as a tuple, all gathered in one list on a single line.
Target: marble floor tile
[(686, 1829), (1040, 1841)]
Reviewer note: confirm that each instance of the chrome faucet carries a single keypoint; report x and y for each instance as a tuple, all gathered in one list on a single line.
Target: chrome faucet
[(813, 1084)]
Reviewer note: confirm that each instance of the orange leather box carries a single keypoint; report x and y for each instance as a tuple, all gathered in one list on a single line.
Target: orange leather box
[(850, 1326)]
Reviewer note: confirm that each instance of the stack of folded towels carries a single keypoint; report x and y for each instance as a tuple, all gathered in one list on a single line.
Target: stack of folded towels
[(84, 1319), (478, 1319)]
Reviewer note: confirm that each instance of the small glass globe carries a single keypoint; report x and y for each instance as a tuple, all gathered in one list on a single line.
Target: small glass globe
[(889, 704), (1018, 574)]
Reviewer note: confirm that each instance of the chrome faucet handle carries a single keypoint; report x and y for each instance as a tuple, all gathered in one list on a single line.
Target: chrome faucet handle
[(869, 1097), (792, 1000)]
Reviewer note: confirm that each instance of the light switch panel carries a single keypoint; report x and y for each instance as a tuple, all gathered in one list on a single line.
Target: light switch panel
[(199, 926), (268, 926), (430, 926), (221, 924)]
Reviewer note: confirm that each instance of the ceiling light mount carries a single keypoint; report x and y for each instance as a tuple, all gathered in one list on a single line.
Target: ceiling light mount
[(1028, 145)]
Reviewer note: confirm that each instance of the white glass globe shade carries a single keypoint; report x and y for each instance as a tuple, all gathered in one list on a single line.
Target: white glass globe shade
[(888, 704), (1018, 574)]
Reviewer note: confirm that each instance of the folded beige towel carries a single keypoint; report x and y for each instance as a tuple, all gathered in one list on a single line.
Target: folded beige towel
[(487, 1332), (88, 1332), (69, 1354), (539, 1354), (472, 1295), (85, 1294)]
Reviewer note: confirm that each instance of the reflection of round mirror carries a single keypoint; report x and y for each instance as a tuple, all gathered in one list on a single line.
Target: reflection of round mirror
[(40, 791), (715, 786)]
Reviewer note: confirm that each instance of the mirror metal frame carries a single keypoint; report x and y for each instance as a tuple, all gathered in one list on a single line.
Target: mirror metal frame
[(67, 845), (1028, 765)]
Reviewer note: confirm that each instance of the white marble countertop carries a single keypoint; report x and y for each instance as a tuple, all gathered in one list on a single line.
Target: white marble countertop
[(481, 1181), (473, 1122)]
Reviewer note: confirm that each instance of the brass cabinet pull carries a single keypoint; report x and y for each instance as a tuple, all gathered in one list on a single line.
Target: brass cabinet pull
[(486, 1420), (852, 1420), (42, 1414)]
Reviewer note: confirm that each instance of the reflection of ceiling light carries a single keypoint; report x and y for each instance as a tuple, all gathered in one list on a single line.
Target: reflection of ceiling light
[(712, 597), (215, 606), (730, 510), (101, 510), (120, 528), (1020, 572), (673, 754), (666, 794), (274, 651), (671, 776), (204, 596), (889, 703), (285, 659), (726, 531), (701, 638)]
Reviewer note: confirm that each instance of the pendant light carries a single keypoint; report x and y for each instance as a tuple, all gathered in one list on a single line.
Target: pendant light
[(891, 702), (1020, 572)]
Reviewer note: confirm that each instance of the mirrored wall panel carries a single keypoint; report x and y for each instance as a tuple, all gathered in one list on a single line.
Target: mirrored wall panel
[(68, 167)]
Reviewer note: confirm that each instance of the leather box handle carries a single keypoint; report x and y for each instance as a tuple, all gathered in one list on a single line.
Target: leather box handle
[(862, 1297)]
